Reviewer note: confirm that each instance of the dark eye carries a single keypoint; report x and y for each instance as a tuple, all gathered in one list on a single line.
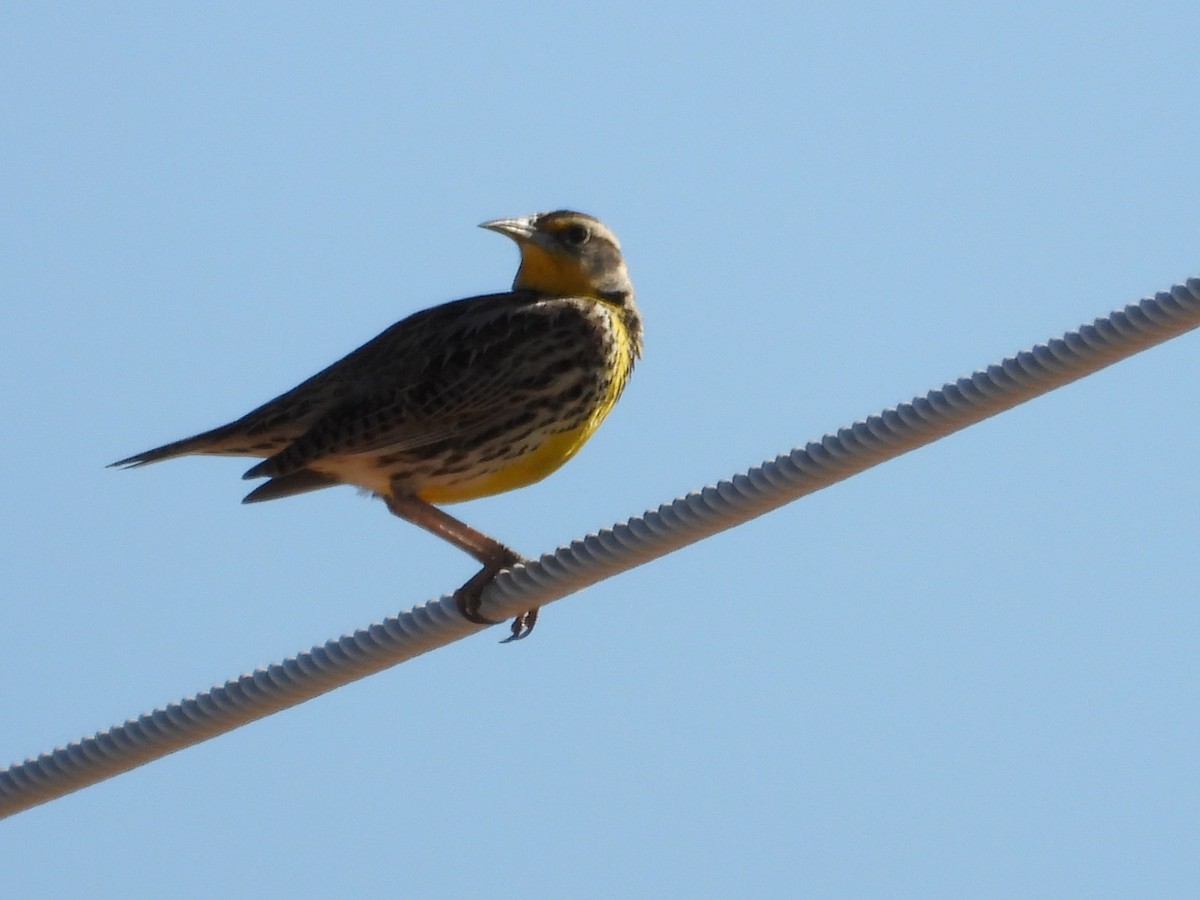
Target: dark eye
[(575, 235)]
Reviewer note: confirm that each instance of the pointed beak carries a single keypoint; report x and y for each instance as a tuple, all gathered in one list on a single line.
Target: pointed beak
[(520, 230)]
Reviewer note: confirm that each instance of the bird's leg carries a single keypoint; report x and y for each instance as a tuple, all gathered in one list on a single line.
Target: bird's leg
[(491, 553)]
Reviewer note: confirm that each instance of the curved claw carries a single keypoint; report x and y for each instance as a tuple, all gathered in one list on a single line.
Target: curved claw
[(467, 608), (467, 597), (522, 626)]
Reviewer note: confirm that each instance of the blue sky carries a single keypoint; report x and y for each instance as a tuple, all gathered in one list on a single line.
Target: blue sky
[(968, 672)]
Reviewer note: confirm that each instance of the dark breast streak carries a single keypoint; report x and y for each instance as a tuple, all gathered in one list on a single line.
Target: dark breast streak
[(548, 368)]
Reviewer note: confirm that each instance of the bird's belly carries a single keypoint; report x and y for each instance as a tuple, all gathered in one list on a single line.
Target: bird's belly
[(505, 475)]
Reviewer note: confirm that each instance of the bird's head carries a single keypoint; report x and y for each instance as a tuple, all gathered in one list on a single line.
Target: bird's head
[(567, 254)]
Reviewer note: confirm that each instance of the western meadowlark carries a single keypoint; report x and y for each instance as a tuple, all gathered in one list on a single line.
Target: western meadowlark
[(459, 401)]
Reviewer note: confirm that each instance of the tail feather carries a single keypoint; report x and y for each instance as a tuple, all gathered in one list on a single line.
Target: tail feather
[(230, 441), (206, 442), (166, 451), (287, 485)]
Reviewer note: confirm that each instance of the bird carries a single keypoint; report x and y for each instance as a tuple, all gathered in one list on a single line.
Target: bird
[(458, 401)]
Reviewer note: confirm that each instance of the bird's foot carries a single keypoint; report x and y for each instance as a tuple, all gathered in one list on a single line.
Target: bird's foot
[(468, 597)]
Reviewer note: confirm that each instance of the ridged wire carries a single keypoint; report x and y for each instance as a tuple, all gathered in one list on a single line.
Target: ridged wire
[(673, 525)]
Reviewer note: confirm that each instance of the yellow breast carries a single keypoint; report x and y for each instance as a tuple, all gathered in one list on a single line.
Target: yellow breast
[(554, 449)]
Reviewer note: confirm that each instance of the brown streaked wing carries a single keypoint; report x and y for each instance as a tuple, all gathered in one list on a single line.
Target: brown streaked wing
[(454, 389)]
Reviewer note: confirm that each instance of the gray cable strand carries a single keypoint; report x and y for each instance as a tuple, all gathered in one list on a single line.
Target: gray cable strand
[(598, 556)]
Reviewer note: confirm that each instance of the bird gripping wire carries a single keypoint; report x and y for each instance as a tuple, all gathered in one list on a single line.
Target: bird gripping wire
[(852, 449)]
